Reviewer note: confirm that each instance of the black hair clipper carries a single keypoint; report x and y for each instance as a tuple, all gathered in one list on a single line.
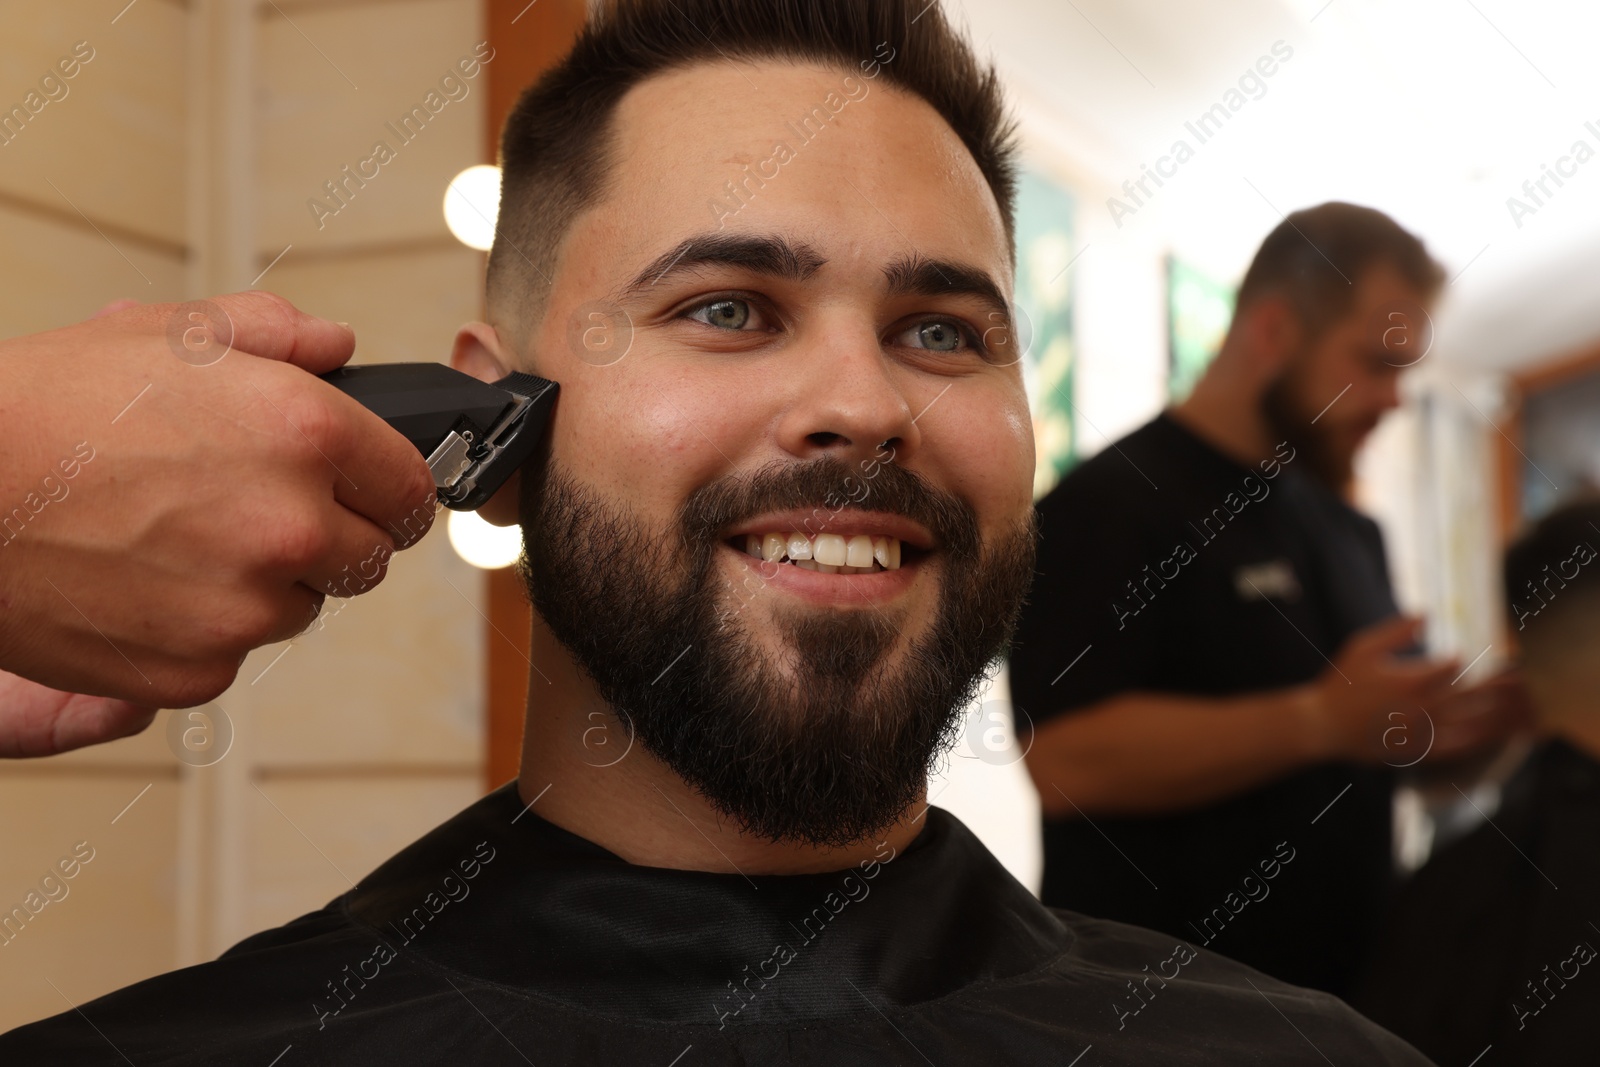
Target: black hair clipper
[(473, 434)]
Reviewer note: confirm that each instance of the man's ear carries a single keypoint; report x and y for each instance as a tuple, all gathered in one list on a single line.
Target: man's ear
[(1274, 332), (478, 351)]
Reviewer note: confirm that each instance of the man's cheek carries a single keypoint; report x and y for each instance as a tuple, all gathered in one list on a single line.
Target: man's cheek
[(603, 433), (991, 446), (692, 435), (648, 452)]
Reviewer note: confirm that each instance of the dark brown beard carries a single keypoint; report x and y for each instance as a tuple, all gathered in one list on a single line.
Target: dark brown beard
[(1322, 456), (827, 752)]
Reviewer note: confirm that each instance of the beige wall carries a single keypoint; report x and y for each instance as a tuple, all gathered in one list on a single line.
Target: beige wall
[(179, 164)]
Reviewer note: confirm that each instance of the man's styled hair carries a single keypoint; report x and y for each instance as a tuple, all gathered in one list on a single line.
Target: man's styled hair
[(555, 149), (1316, 256), (1552, 585)]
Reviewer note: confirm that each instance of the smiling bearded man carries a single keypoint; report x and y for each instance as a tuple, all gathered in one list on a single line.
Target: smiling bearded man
[(780, 532)]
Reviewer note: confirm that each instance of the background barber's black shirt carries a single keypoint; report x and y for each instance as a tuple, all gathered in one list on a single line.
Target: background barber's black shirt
[(1282, 572)]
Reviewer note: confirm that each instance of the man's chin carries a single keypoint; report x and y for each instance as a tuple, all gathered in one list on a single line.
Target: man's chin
[(784, 641), (1339, 460)]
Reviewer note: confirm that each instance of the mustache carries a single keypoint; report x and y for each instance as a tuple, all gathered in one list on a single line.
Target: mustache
[(825, 487)]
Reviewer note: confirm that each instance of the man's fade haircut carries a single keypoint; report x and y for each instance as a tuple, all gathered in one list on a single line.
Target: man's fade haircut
[(1316, 257), (555, 150), (1552, 584)]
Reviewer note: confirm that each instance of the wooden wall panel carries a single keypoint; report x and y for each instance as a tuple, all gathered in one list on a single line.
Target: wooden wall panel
[(113, 140), (323, 114)]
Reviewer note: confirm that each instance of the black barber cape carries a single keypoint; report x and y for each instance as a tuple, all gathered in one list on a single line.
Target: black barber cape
[(1167, 567), (501, 939)]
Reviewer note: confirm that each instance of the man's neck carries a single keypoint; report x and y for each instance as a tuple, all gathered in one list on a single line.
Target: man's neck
[(580, 773), (1225, 412), (1571, 713)]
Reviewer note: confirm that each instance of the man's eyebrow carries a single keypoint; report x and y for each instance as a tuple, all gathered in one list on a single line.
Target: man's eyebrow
[(912, 275), (761, 254)]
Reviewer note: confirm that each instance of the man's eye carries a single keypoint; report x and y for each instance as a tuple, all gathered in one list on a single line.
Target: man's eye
[(936, 335), (725, 314)]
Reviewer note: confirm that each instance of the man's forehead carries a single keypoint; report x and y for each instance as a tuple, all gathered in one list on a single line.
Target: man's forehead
[(828, 159), (1383, 281), (738, 96)]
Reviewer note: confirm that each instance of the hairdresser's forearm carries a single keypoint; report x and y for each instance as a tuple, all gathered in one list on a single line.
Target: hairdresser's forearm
[(1148, 753)]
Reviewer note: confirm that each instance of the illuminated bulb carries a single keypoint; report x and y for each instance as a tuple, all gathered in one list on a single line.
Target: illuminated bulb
[(471, 204), (482, 543)]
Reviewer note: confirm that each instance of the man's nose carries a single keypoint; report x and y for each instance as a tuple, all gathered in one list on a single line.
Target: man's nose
[(850, 399)]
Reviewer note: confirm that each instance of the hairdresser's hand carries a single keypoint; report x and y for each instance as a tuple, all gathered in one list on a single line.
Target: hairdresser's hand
[(1468, 719), (39, 721), (169, 502), (1369, 705)]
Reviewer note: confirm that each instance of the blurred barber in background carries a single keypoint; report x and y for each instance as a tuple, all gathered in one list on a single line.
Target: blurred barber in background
[(1217, 679), (1494, 941)]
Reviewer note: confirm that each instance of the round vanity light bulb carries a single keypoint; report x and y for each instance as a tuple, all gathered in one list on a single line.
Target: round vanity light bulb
[(483, 544), (471, 205)]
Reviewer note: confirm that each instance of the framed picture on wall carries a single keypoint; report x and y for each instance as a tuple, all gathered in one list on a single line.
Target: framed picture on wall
[(1046, 245), (1199, 309), (1550, 440)]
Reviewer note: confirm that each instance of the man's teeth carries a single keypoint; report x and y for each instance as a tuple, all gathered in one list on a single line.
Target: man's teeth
[(829, 553)]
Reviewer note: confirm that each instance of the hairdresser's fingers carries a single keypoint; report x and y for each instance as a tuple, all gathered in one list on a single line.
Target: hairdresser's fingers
[(115, 306), (356, 557), (1387, 637), (266, 325), (381, 476), (294, 609), (36, 720)]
